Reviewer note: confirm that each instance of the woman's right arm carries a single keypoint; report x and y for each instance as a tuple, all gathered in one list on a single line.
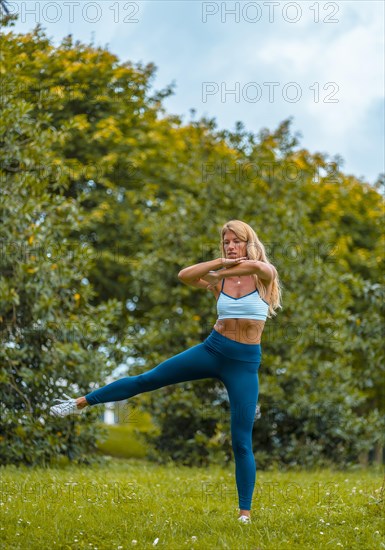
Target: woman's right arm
[(192, 275)]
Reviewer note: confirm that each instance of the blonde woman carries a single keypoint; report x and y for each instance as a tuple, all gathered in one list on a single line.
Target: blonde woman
[(246, 287)]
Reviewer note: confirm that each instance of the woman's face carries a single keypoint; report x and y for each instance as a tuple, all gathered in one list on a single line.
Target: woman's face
[(234, 247)]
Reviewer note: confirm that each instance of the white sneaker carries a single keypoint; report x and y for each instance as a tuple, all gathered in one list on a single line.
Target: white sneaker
[(65, 407), (244, 519)]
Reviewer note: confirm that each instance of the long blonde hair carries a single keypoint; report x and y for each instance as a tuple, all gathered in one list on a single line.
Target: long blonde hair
[(255, 251)]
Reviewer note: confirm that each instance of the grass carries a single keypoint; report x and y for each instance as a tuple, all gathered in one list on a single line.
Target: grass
[(137, 504)]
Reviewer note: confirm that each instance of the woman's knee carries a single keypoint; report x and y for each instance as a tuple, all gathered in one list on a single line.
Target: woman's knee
[(135, 384), (241, 447), (148, 381)]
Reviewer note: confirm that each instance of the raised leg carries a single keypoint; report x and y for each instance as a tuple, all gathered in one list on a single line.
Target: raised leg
[(192, 364)]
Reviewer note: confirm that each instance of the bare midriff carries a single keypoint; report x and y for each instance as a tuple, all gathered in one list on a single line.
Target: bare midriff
[(245, 331)]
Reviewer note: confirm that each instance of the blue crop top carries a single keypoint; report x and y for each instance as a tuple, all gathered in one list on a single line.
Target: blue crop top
[(250, 306)]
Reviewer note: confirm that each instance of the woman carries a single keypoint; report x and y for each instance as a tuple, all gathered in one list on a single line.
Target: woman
[(247, 289)]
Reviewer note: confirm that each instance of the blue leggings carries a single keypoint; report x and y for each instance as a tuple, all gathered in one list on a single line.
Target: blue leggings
[(236, 365)]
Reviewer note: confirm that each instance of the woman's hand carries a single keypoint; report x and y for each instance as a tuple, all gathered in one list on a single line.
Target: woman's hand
[(213, 277), (229, 262)]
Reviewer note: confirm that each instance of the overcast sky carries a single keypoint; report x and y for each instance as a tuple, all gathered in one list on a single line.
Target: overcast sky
[(257, 62)]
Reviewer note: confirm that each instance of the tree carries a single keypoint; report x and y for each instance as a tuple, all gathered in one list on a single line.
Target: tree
[(53, 339), (149, 194)]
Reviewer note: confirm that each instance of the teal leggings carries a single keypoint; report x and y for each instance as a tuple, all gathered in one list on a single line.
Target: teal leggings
[(236, 365)]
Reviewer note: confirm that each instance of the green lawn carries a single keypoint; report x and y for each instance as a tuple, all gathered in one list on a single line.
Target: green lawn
[(134, 503)]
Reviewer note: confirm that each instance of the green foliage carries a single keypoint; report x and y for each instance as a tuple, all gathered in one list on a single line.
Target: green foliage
[(53, 339), (126, 440), (122, 196)]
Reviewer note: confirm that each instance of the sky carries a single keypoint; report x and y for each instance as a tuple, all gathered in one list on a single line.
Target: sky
[(321, 63)]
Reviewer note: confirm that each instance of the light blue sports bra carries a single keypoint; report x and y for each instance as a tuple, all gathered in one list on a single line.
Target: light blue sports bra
[(250, 306)]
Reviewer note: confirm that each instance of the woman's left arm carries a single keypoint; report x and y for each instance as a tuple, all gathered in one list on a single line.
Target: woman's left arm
[(265, 271)]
